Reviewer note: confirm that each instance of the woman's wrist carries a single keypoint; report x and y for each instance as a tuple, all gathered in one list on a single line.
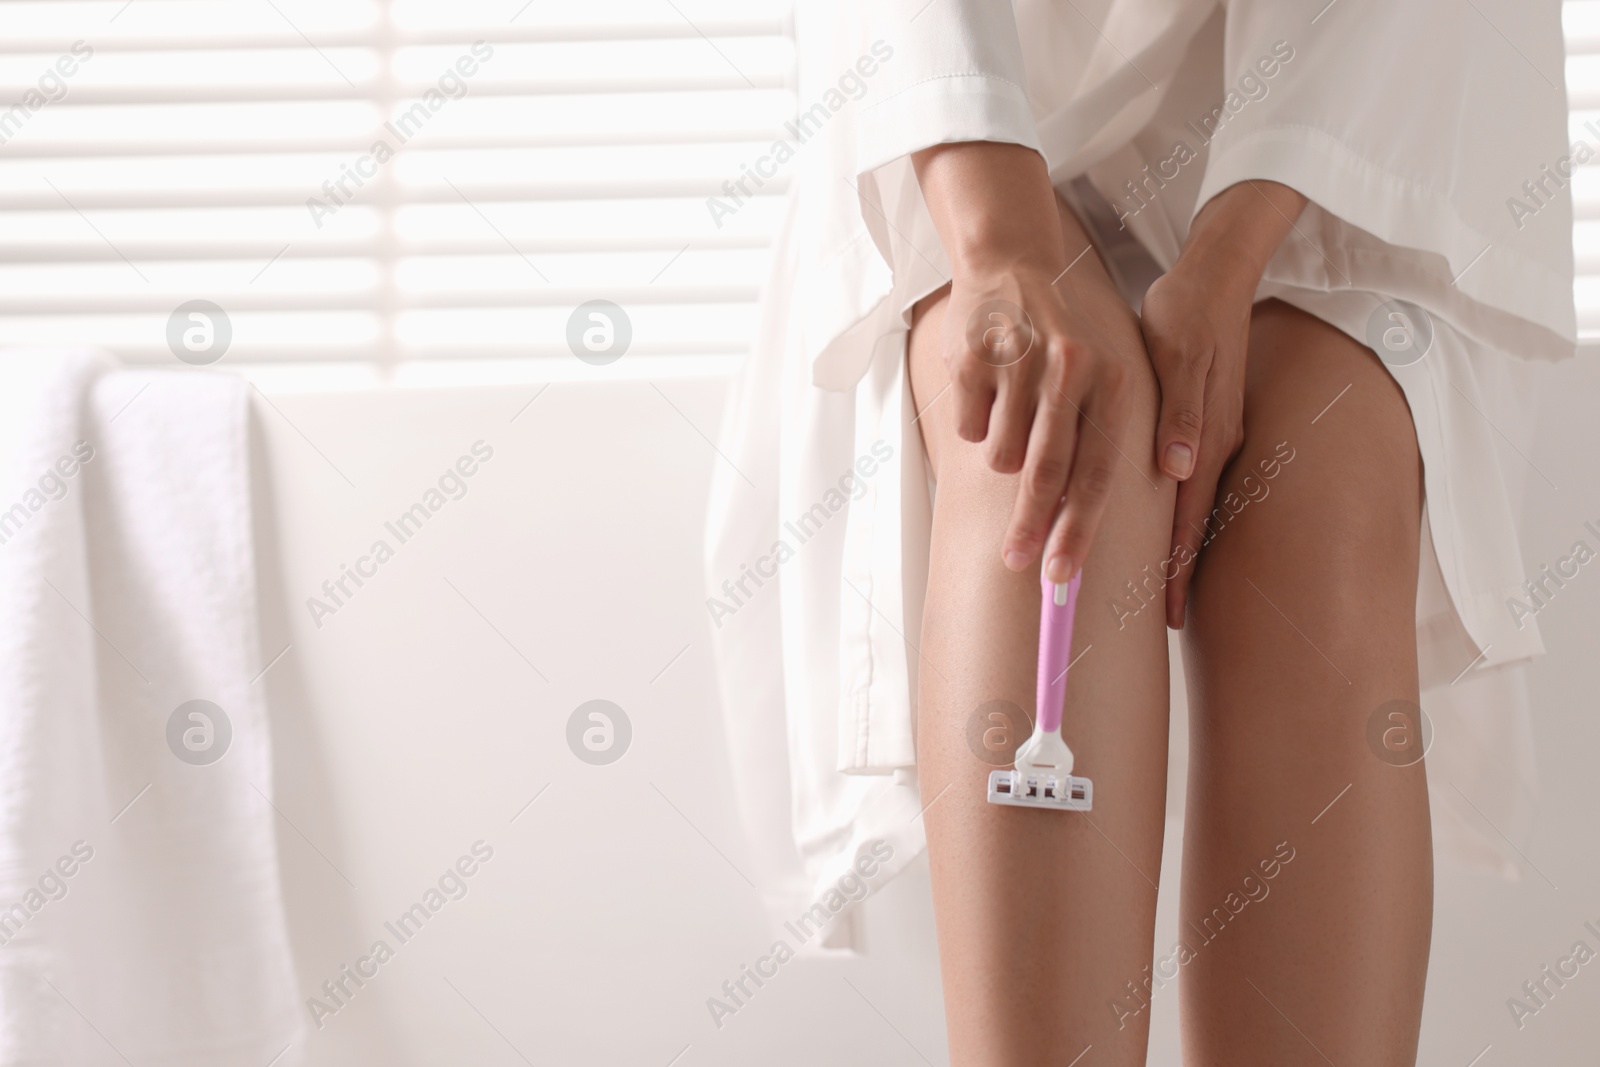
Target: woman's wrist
[(994, 207), (1236, 234)]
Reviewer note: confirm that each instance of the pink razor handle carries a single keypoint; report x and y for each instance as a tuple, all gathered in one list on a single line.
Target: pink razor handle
[(1056, 608), (1042, 776)]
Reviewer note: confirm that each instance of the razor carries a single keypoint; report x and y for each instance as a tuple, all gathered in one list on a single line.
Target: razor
[(1043, 776)]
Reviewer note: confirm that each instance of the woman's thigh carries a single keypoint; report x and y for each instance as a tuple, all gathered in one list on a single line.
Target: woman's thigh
[(1301, 630)]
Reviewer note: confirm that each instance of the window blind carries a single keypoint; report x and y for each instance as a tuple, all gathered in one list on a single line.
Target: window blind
[(1581, 22), (352, 180)]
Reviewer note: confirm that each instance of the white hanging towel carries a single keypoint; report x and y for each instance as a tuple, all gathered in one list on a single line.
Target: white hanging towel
[(1431, 140), (140, 912)]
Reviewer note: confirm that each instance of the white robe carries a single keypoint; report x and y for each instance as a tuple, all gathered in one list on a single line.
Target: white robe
[(1429, 137)]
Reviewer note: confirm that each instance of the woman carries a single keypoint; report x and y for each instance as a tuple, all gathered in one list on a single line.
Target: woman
[(1288, 452)]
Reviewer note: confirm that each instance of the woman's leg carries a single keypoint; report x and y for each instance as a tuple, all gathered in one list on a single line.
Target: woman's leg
[(1043, 916), (1301, 627)]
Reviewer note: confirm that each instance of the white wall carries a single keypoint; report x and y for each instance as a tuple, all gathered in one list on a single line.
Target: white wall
[(409, 726)]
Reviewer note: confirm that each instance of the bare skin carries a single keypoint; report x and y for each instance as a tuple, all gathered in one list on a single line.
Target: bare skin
[(1321, 567)]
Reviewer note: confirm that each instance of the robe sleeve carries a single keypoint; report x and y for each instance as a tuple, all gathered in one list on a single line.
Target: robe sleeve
[(956, 75)]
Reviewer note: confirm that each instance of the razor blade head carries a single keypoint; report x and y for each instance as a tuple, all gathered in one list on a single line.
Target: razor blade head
[(1071, 793)]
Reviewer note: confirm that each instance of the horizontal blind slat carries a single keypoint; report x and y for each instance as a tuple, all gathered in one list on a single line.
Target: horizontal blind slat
[(45, 199), (576, 163)]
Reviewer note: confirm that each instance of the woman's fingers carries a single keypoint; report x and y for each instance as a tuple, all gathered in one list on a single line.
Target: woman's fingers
[(1027, 396), (1187, 453), (1183, 383), (972, 390), (1044, 480), (1094, 463), (1196, 497), (1011, 421)]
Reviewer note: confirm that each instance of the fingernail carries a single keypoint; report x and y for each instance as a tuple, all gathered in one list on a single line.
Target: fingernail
[(1180, 460), (1016, 560), (1059, 569)]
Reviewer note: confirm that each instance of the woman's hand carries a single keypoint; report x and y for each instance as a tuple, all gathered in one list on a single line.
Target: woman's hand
[(1196, 321), (1036, 340)]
